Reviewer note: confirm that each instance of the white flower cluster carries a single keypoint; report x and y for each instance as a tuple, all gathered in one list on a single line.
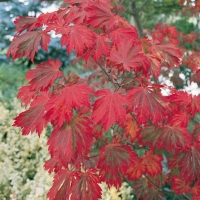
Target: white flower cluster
[(21, 163)]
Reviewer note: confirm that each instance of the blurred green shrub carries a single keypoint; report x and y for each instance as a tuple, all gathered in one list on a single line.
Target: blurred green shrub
[(11, 79), (21, 162)]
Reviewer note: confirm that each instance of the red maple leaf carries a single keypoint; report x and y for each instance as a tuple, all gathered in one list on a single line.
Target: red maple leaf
[(26, 94), (46, 18), (181, 119), (166, 34), (127, 55), (167, 137), (77, 38), (23, 23), (75, 185), (180, 185), (33, 119), (27, 44), (71, 141), (101, 47), (101, 16), (62, 184), (44, 75), (188, 162), (196, 190), (52, 165), (126, 33), (86, 186), (189, 102), (60, 106), (148, 104), (163, 52), (109, 108)]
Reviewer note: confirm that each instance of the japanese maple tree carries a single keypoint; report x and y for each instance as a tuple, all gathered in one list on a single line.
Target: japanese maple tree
[(116, 124)]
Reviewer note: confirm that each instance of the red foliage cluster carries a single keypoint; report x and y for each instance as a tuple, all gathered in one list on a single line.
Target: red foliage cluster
[(97, 133)]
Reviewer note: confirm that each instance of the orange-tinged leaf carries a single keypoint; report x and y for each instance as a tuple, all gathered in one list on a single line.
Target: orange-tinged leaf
[(137, 169), (27, 44), (152, 163), (131, 127), (44, 75), (117, 158), (109, 108)]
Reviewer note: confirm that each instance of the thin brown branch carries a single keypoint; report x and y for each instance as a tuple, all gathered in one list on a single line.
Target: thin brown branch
[(134, 118), (128, 6), (186, 197), (142, 6), (64, 78), (117, 86), (135, 14), (152, 182)]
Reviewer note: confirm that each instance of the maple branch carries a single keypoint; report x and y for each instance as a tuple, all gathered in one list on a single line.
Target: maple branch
[(117, 85), (93, 156), (134, 118), (142, 6), (64, 78), (60, 84), (186, 197), (135, 14), (152, 182)]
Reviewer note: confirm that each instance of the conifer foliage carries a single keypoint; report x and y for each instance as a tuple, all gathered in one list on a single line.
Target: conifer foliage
[(114, 125)]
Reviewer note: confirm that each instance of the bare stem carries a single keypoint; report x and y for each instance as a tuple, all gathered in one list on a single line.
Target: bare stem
[(152, 182), (142, 6), (137, 19), (117, 85)]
